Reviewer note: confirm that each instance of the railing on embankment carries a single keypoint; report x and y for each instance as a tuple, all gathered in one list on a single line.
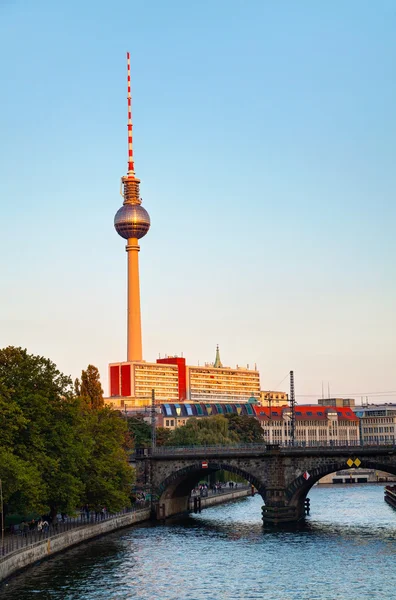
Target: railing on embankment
[(199, 500), (21, 550)]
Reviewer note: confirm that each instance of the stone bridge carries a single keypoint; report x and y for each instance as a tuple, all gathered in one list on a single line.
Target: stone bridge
[(283, 476)]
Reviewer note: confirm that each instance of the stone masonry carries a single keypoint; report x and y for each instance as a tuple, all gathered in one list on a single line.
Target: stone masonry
[(282, 476)]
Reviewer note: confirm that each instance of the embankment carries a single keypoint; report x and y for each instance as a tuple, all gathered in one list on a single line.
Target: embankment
[(43, 549)]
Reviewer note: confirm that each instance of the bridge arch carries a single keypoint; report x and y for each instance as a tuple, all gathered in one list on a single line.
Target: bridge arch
[(298, 489), (174, 491)]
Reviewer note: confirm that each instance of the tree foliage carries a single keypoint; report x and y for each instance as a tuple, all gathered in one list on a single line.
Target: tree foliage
[(108, 478), (208, 431), (55, 447), (248, 429), (163, 436), (219, 429), (140, 431), (90, 387)]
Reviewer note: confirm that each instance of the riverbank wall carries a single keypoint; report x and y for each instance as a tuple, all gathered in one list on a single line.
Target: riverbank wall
[(222, 498), (20, 559)]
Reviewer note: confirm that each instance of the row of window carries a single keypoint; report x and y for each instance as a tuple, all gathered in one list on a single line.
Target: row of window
[(376, 421), (380, 438), (378, 429)]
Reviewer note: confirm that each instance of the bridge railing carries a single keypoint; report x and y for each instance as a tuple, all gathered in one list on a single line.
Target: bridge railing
[(213, 448), (240, 448)]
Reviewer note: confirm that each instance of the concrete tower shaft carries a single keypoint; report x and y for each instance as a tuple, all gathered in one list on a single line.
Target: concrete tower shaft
[(132, 222)]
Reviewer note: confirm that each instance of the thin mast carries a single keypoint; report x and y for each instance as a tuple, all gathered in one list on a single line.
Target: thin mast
[(131, 164)]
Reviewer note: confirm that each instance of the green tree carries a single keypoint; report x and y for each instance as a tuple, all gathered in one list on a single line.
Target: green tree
[(209, 431), (163, 436), (140, 431), (109, 478), (247, 429), (23, 489), (57, 451), (77, 387), (43, 427), (91, 388)]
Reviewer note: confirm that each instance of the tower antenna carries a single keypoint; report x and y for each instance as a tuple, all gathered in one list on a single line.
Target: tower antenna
[(131, 164)]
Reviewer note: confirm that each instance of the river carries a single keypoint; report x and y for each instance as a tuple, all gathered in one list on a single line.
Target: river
[(345, 551)]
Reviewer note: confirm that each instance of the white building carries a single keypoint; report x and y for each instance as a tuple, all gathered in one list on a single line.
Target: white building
[(313, 425), (377, 423), (214, 384)]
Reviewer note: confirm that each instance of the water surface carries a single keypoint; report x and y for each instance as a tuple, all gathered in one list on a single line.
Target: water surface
[(346, 551)]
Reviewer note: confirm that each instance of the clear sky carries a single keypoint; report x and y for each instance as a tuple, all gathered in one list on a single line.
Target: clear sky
[(264, 137)]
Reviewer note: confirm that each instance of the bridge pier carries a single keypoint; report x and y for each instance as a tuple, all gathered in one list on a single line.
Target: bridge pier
[(275, 516), (278, 511)]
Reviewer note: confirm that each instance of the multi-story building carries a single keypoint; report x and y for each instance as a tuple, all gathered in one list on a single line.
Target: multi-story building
[(213, 384), (313, 424), (271, 398), (131, 383), (377, 423)]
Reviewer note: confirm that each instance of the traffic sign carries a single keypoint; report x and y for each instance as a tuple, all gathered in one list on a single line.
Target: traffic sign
[(204, 464), (357, 462)]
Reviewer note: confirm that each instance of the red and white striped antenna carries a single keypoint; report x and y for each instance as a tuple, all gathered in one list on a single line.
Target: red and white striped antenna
[(131, 164)]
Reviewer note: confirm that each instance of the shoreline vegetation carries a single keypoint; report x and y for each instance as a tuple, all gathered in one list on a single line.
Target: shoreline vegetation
[(60, 447), (62, 450)]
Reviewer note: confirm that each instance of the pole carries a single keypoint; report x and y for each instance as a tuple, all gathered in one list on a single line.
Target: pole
[(153, 422), (292, 407), (2, 517)]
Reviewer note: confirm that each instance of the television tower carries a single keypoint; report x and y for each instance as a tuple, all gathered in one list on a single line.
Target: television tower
[(132, 222)]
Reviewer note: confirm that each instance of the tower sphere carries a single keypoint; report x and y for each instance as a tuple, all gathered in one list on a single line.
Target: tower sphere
[(132, 221)]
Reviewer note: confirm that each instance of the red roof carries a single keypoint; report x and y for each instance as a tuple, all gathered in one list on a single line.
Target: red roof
[(306, 412)]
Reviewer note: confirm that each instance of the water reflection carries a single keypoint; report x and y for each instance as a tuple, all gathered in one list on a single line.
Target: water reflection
[(347, 543)]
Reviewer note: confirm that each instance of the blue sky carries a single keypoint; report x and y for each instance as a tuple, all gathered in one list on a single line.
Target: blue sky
[(264, 137)]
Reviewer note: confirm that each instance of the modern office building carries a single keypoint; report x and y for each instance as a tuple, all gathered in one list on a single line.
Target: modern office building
[(377, 423), (131, 384), (174, 381), (222, 384)]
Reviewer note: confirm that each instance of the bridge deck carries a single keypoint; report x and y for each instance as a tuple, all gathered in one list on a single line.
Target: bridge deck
[(168, 452)]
